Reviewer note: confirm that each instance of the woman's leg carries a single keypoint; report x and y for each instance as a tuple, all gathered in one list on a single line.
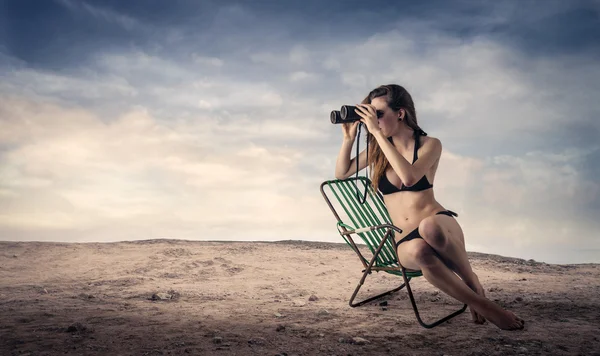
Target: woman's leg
[(445, 236), (417, 254)]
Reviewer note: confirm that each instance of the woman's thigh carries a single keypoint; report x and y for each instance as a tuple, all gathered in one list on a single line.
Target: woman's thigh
[(447, 225)]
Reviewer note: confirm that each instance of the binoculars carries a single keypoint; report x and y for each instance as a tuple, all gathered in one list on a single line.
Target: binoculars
[(347, 114)]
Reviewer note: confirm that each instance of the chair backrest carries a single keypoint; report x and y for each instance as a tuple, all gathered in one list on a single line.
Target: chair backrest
[(349, 194)]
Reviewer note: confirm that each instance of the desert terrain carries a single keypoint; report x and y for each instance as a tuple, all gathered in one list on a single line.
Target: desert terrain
[(177, 297)]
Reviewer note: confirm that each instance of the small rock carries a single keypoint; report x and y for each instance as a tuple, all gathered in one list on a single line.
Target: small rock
[(257, 341), (278, 315), (160, 296), (523, 349), (322, 312), (359, 341), (384, 303), (78, 328), (280, 328), (313, 298), (45, 291), (217, 340), (519, 299), (174, 294)]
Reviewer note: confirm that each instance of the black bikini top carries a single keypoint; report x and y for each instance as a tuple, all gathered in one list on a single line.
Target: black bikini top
[(386, 187)]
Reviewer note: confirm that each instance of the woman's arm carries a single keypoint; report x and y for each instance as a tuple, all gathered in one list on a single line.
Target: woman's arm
[(345, 167), (408, 173)]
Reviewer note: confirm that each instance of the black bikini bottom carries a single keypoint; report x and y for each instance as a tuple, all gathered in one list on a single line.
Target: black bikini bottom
[(415, 233)]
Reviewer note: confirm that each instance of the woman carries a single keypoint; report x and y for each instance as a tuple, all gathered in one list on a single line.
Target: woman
[(404, 161)]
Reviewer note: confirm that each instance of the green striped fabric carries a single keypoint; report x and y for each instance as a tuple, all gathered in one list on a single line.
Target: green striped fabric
[(349, 194)]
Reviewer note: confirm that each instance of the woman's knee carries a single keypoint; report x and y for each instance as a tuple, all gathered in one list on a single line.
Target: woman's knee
[(422, 254), (432, 232)]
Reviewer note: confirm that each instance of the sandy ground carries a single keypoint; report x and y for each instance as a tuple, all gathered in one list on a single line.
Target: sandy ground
[(170, 297)]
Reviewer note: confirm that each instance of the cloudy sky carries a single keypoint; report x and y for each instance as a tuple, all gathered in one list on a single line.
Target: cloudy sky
[(209, 120)]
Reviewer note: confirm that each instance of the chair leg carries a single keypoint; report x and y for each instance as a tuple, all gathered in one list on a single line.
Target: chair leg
[(414, 304), (367, 271), (353, 305)]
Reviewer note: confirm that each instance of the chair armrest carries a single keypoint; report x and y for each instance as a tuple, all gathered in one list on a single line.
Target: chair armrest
[(365, 229)]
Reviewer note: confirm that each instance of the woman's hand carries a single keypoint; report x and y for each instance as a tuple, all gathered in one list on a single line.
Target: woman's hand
[(349, 130), (369, 116)]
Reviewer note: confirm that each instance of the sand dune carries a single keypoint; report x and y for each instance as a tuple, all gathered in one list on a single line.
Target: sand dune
[(171, 297)]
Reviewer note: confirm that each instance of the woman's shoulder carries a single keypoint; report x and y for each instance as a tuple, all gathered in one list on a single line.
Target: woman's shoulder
[(430, 140)]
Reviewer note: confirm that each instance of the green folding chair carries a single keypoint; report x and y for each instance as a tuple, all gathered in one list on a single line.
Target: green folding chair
[(371, 222)]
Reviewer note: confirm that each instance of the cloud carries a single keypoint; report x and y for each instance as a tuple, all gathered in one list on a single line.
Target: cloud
[(81, 173), (517, 204), (211, 61), (99, 13), (302, 76), (220, 128)]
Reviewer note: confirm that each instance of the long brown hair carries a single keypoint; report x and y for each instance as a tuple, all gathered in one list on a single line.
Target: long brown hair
[(397, 98)]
